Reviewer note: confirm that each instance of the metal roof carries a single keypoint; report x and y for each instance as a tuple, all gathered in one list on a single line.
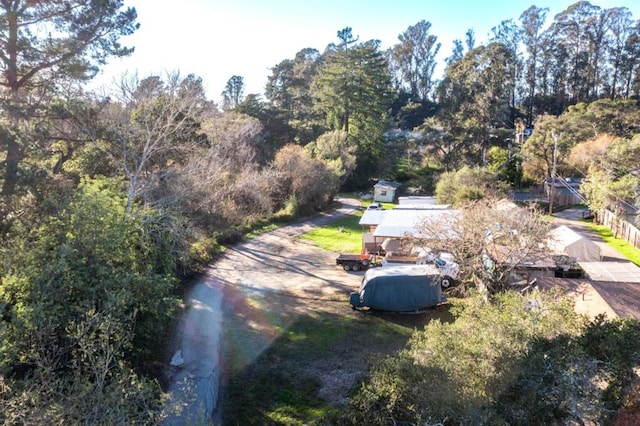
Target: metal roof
[(400, 223), (372, 217), (387, 184)]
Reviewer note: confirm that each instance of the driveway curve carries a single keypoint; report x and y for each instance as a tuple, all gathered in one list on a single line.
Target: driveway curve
[(272, 268)]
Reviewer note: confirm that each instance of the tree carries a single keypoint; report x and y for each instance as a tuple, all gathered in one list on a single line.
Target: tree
[(457, 53), (510, 35), (310, 183), (621, 30), (441, 143), (470, 39), (289, 83), (85, 300), (631, 63), (336, 150), (415, 59), (466, 371), (289, 93), (45, 43), (233, 93), (545, 149), (469, 184), (532, 21), (153, 127), (488, 241), (613, 182), (475, 98), (506, 165), (353, 89), (580, 123)]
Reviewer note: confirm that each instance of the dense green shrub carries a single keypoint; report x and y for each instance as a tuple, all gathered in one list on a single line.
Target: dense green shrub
[(85, 302), (512, 360)]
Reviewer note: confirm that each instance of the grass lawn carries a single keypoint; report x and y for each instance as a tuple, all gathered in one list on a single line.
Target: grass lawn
[(342, 236), (620, 244)]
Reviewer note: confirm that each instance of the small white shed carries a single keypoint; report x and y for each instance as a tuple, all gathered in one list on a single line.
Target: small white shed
[(385, 191), (564, 240)]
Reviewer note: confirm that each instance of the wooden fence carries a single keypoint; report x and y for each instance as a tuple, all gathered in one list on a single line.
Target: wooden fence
[(621, 228)]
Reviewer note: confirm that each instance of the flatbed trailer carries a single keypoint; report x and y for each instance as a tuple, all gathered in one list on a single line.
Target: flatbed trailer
[(354, 262)]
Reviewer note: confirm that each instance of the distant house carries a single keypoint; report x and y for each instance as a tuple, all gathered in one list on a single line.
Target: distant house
[(565, 191), (385, 191)]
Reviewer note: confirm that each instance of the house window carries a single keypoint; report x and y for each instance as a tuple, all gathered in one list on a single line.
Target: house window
[(383, 192)]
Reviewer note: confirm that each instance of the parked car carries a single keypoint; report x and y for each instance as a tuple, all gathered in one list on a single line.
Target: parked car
[(399, 289)]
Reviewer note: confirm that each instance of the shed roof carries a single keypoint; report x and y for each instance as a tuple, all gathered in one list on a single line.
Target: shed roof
[(417, 199), (422, 206), (387, 184)]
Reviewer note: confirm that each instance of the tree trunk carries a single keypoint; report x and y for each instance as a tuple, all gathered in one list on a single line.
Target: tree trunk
[(14, 156)]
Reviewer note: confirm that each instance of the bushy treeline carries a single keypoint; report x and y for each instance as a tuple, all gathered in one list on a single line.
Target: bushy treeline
[(490, 97), (515, 360), (143, 192)]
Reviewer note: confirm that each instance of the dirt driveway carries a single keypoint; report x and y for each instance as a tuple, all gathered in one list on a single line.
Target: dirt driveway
[(253, 292)]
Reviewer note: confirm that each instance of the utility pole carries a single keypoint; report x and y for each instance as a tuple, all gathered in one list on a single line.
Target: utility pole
[(552, 194)]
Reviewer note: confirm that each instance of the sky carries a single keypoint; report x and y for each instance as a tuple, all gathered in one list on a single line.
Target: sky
[(217, 39)]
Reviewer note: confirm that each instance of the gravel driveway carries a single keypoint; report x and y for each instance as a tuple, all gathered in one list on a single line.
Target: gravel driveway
[(240, 288)]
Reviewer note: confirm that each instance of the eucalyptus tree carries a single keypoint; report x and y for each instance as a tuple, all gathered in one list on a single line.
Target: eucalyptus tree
[(580, 30), (510, 35), (457, 52), (621, 29), (415, 59), (352, 88), (233, 93), (475, 98), (630, 63), (552, 76), (45, 43), (470, 39), (532, 21)]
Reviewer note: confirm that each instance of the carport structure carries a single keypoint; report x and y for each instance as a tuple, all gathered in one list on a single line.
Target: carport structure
[(396, 224)]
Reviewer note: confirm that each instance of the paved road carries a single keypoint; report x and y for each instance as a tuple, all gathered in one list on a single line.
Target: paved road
[(245, 277), (572, 218)]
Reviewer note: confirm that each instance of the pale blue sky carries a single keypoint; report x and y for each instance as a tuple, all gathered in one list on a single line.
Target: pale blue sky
[(216, 39)]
